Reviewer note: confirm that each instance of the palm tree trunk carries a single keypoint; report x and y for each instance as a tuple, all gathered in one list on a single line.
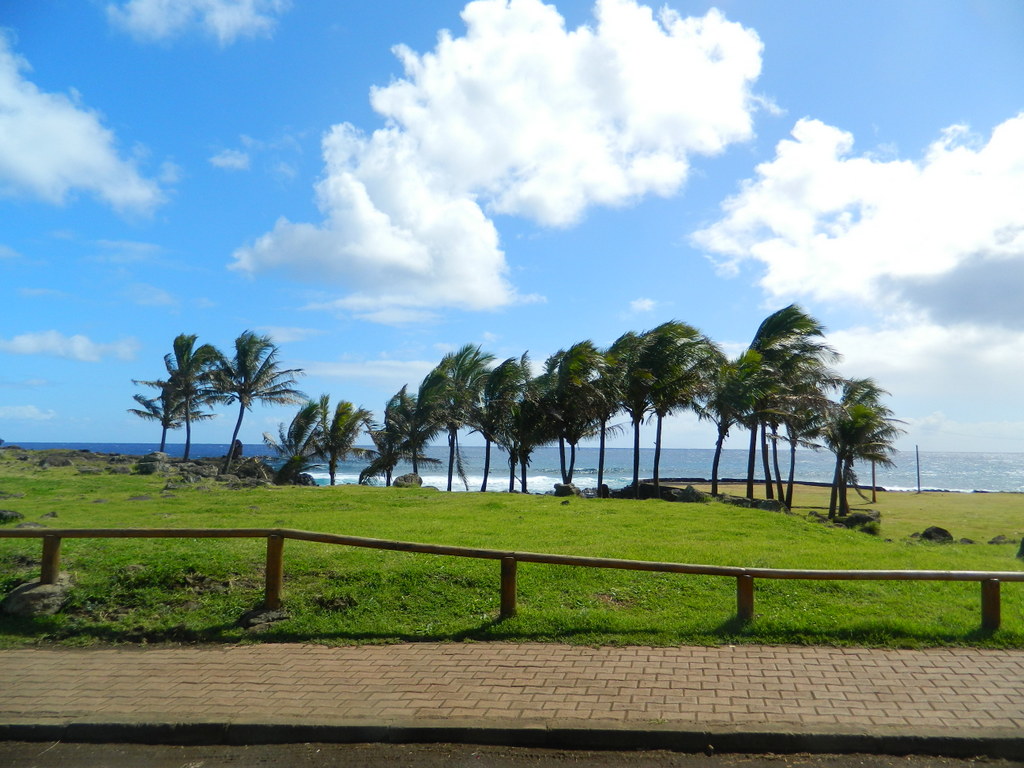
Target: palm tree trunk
[(751, 460), (769, 493), (511, 472), (844, 501), (487, 463), (657, 458), (636, 458), (452, 437), (572, 460), (792, 474), (600, 460), (163, 439), (561, 457), (234, 436), (833, 498), (780, 495), (715, 461), (387, 478), (188, 431), (522, 472), (415, 463)]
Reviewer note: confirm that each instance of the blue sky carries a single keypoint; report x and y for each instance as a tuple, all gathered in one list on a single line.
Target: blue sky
[(375, 184)]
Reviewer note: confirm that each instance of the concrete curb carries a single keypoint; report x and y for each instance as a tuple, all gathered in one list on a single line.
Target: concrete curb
[(998, 744)]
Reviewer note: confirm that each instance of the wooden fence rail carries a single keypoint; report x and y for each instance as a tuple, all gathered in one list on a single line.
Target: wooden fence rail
[(52, 537)]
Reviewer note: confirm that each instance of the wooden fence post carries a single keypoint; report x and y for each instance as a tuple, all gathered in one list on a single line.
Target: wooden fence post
[(990, 609), (51, 560), (508, 588), (745, 598), (275, 572)]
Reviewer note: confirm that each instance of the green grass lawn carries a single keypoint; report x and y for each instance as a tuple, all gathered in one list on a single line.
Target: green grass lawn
[(194, 590)]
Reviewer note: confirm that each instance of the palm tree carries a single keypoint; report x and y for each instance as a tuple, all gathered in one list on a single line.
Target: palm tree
[(860, 429), (298, 445), (160, 409), (392, 441), (252, 374), (627, 353), (190, 379), (503, 388), (734, 390), (339, 431), (384, 456), (609, 386), (415, 418), (574, 397), (790, 343), (456, 385), (683, 362)]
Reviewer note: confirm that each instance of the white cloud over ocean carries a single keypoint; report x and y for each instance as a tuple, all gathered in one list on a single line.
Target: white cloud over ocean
[(520, 116), (53, 146), (942, 236)]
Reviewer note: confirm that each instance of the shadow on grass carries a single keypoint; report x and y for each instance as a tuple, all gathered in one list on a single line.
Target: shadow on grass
[(53, 631)]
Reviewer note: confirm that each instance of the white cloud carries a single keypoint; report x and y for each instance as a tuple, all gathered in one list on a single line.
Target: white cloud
[(146, 295), (25, 413), (901, 234), (53, 146), (6, 252), (231, 160), (522, 117), (77, 347), (642, 305), (226, 20), (283, 334), (387, 375)]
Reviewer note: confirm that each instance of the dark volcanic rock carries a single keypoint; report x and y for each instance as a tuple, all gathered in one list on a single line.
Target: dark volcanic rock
[(936, 534), (9, 516)]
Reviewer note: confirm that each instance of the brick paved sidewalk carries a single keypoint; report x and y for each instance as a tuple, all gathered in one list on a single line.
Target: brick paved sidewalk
[(795, 690)]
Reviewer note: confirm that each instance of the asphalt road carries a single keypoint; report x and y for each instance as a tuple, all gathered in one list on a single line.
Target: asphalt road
[(61, 755)]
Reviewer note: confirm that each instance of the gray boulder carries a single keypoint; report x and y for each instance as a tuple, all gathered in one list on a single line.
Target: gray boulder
[(688, 495), (153, 463), (936, 534), (35, 599), (566, 489), (410, 480), (9, 516)]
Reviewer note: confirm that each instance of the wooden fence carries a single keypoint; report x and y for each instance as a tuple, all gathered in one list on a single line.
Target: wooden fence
[(989, 580)]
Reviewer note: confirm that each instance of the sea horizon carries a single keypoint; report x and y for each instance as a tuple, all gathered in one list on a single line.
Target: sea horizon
[(956, 471)]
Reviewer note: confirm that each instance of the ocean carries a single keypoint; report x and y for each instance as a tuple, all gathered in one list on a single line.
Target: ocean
[(949, 471)]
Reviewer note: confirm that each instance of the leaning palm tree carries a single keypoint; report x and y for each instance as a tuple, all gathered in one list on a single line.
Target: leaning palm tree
[(190, 372), (157, 409), (254, 374), (457, 383), (503, 388), (391, 441), (298, 445), (415, 418), (683, 362), (575, 398), (735, 389), (861, 428), (609, 388), (790, 342), (339, 431), (628, 352)]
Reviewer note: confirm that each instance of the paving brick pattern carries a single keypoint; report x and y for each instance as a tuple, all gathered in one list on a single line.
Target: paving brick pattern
[(944, 690)]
